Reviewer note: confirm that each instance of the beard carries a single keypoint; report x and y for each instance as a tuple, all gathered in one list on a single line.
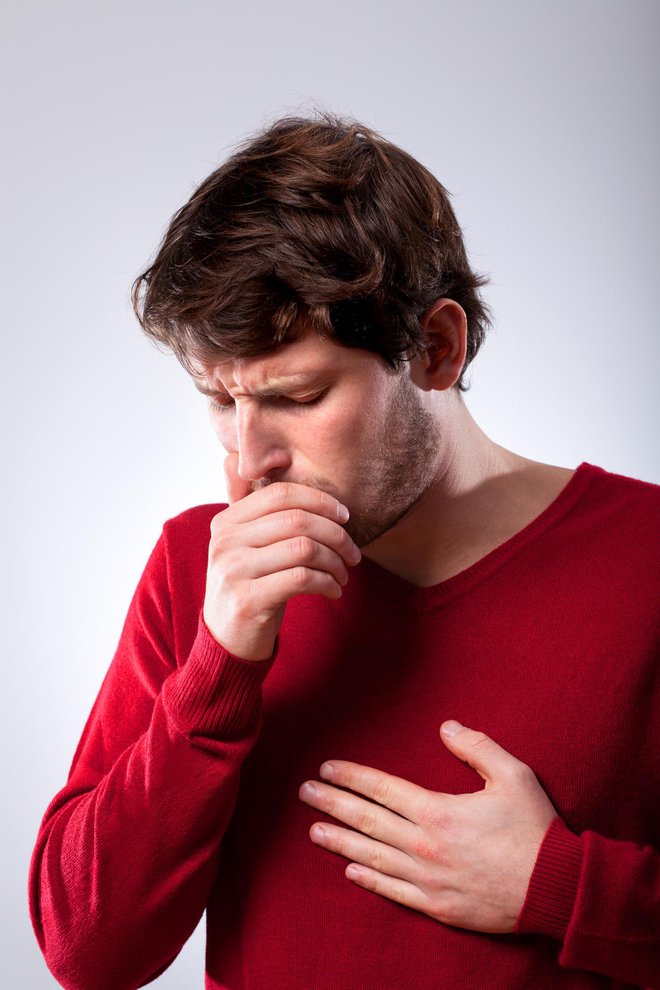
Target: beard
[(397, 465)]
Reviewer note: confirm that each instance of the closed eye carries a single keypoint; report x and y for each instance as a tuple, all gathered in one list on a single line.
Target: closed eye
[(221, 406), (275, 400)]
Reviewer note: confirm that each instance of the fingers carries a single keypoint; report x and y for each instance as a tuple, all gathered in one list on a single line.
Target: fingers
[(391, 887), (285, 585), (301, 551), (266, 547), (401, 796), (303, 534), (378, 855), (491, 761), (277, 497), (370, 819), (237, 487)]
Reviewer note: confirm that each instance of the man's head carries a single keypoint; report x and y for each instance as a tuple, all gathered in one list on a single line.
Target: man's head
[(317, 222), (340, 419)]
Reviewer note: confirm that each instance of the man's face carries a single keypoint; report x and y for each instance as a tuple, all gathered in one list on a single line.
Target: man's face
[(331, 417)]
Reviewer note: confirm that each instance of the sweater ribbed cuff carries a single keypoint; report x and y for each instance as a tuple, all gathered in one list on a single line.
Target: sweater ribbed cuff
[(553, 884), (216, 693)]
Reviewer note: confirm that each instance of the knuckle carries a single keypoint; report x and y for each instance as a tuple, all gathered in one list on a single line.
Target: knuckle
[(296, 520), (430, 850), (280, 492), (366, 822), (523, 774), (382, 792), (303, 548), (242, 608), (480, 741), (217, 523), (319, 499), (219, 543), (299, 576), (432, 816), (338, 842), (401, 894), (445, 908), (377, 860), (345, 541), (224, 570)]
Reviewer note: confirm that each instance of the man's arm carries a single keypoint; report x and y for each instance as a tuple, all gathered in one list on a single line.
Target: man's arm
[(600, 898), (127, 851)]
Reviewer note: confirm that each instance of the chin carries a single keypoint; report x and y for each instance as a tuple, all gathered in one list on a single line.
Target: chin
[(367, 531)]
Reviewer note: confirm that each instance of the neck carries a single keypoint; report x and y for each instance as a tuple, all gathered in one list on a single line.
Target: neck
[(479, 497)]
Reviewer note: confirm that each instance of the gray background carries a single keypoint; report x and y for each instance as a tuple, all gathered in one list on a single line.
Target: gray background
[(540, 118)]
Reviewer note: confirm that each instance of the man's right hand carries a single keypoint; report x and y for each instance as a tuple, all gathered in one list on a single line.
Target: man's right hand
[(266, 547)]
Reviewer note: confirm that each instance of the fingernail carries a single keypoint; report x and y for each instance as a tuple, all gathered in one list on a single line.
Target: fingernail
[(327, 771), (451, 728), (342, 513), (308, 790)]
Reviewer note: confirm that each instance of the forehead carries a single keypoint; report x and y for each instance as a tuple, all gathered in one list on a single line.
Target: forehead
[(293, 363)]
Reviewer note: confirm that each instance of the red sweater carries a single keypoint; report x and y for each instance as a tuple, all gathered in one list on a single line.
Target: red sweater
[(183, 792)]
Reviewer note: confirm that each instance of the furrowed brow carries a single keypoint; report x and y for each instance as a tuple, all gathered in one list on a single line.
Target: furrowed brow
[(208, 391), (276, 386)]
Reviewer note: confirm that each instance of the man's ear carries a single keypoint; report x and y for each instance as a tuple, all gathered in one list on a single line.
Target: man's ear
[(440, 363)]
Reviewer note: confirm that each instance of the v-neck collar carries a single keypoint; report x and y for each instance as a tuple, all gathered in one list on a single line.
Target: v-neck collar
[(422, 599)]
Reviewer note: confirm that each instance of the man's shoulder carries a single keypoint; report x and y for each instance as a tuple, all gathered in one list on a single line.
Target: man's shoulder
[(186, 535), (620, 510), (629, 491), (182, 551)]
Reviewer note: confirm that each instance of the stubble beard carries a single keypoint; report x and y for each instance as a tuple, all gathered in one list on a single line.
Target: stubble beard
[(396, 468)]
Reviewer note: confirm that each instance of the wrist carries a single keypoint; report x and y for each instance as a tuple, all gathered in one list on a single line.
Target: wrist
[(254, 648)]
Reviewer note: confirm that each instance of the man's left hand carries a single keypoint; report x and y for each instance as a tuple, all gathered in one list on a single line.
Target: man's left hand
[(463, 859)]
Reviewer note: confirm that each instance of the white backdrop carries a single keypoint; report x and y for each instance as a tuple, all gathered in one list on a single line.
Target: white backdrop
[(540, 118)]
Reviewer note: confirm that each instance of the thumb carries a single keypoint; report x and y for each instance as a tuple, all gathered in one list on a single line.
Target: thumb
[(479, 751), (237, 487)]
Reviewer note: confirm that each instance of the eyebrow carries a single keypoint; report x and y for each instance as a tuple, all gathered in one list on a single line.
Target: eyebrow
[(274, 385)]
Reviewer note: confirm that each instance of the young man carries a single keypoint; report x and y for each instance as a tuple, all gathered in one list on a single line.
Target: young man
[(390, 715)]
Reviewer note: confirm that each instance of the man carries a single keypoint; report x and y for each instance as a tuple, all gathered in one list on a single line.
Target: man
[(390, 715)]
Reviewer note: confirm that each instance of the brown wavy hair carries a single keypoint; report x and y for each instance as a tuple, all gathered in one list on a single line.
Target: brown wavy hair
[(315, 221)]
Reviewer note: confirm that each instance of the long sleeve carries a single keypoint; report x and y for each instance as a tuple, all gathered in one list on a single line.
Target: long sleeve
[(601, 898), (127, 851)]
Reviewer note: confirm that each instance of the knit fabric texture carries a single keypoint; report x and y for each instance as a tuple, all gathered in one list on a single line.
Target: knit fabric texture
[(183, 791)]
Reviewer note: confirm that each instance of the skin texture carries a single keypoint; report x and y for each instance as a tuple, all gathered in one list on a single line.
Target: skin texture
[(464, 860), (286, 470), (428, 495), (266, 548), (398, 458)]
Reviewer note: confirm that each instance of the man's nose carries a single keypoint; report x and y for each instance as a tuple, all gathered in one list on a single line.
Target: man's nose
[(260, 448)]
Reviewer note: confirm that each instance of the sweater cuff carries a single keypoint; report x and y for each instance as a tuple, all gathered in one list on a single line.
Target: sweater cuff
[(553, 884), (216, 693)]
